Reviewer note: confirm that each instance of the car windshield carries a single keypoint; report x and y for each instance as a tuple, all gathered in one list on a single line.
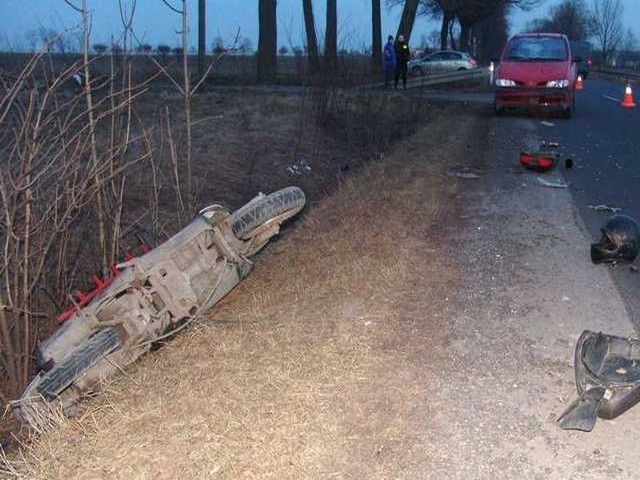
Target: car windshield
[(527, 49)]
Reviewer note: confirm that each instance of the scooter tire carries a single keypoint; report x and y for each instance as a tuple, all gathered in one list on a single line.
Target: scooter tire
[(279, 205), (74, 365)]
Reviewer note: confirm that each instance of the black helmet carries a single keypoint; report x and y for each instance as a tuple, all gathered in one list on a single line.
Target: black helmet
[(620, 241)]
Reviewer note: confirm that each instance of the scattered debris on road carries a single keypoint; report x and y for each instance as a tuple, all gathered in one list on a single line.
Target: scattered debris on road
[(605, 208), (550, 184), (548, 145), (463, 172), (299, 168)]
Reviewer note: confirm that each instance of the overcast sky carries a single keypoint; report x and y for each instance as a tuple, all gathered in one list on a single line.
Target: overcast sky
[(154, 23)]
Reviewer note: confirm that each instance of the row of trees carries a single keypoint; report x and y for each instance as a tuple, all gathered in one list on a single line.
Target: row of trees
[(218, 46), (479, 26), (489, 16), (602, 21), (486, 18)]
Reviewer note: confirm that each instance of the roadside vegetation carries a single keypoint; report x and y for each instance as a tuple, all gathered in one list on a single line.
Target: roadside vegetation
[(317, 361)]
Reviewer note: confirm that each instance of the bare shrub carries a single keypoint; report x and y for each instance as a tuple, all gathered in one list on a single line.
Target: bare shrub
[(65, 160)]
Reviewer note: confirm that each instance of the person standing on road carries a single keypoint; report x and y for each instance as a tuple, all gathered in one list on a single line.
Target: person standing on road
[(389, 54), (402, 57)]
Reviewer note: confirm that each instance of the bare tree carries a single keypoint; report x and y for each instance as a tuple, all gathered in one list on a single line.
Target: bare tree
[(88, 95), (630, 43), (376, 34), (467, 12), (571, 17), (448, 8), (61, 178), (186, 91), (492, 34), (471, 12), (202, 35), (331, 35), (607, 25), (312, 41), (267, 41), (408, 19)]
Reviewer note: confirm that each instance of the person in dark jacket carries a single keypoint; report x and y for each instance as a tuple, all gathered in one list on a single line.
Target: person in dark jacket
[(389, 54), (402, 57)]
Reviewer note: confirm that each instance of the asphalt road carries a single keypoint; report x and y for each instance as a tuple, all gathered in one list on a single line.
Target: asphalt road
[(603, 141)]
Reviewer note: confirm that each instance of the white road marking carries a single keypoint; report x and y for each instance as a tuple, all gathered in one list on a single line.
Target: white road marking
[(611, 98)]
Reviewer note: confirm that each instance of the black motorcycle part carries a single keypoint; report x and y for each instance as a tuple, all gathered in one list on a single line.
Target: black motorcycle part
[(583, 412), (607, 370)]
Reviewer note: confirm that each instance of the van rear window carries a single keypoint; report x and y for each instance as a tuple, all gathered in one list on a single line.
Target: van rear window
[(536, 49)]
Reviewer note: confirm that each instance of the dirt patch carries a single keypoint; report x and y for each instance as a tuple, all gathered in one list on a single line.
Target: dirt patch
[(319, 364)]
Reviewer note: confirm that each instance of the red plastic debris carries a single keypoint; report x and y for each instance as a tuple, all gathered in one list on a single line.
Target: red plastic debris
[(538, 161)]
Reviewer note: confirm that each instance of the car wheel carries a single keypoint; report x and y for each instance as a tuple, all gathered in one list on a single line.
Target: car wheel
[(497, 110)]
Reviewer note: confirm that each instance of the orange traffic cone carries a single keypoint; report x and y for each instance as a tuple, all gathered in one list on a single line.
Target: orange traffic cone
[(579, 84), (627, 102)]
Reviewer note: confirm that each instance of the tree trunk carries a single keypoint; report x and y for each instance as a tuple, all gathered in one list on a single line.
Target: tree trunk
[(312, 42), (202, 35), (331, 36), (465, 31), (376, 31), (452, 39), (267, 41), (444, 31), (408, 19)]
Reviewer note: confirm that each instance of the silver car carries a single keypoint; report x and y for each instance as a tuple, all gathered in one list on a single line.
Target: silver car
[(442, 61)]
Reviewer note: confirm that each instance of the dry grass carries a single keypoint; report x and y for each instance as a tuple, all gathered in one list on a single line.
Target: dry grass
[(317, 366)]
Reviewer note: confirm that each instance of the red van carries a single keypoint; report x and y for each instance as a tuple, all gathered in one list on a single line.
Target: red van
[(536, 70)]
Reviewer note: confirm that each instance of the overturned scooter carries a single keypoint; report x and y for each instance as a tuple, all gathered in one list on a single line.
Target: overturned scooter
[(149, 298), (607, 370)]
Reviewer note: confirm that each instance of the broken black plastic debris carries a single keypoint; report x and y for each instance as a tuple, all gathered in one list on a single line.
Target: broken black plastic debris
[(607, 371)]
